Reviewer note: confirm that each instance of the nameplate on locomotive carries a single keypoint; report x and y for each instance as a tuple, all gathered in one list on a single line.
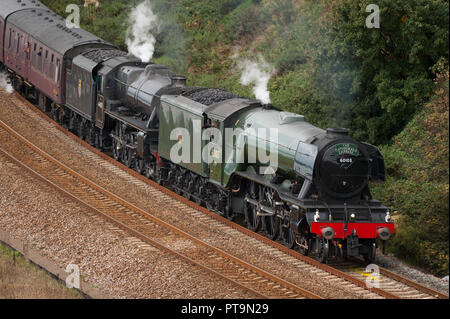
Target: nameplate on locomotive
[(346, 149)]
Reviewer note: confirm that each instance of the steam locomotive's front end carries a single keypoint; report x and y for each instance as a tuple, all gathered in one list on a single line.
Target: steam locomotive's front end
[(341, 215)]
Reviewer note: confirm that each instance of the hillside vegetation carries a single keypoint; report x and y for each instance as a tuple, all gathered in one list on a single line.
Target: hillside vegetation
[(20, 279), (418, 185), (331, 68)]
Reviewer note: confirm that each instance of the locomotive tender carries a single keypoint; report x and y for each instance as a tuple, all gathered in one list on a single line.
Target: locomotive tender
[(316, 200)]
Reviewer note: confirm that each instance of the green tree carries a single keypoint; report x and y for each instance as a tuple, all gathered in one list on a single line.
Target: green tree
[(395, 62), (418, 183)]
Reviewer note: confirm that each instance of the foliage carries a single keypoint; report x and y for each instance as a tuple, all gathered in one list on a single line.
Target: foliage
[(108, 22), (418, 183), (394, 62)]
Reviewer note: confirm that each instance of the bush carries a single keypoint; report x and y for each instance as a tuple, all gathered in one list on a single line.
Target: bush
[(243, 22), (418, 183), (394, 62)]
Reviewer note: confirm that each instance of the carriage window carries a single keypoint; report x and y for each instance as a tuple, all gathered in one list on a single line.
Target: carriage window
[(52, 66), (15, 40), (26, 52), (23, 47), (46, 62), (40, 59), (18, 43), (10, 36), (33, 62), (57, 70)]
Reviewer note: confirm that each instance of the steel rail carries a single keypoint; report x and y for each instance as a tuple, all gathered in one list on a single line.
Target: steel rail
[(406, 281), (413, 284), (138, 234)]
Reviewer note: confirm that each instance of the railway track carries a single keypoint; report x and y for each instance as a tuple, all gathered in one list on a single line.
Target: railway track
[(146, 227), (391, 285), (389, 281)]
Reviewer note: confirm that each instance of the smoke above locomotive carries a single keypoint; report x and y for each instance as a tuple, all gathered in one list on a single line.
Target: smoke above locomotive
[(140, 36), (257, 73)]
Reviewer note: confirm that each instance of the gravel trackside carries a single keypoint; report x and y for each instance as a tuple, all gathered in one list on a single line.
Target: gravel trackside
[(119, 265)]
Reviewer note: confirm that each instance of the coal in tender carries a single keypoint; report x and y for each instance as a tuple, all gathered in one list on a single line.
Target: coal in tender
[(210, 96), (101, 55)]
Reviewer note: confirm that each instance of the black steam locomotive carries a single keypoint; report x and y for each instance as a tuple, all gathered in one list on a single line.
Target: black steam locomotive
[(315, 198)]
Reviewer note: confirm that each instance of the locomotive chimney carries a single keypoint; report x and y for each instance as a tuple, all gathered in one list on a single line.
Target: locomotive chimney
[(337, 131), (178, 81)]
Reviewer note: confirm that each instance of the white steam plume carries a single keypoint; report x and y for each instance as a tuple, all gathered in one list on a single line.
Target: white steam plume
[(5, 83), (258, 74), (140, 39)]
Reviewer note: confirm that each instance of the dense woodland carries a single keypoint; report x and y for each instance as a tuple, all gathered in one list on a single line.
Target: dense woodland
[(389, 86)]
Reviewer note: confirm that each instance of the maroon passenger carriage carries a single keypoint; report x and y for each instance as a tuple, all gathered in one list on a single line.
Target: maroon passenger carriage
[(55, 66), (38, 47)]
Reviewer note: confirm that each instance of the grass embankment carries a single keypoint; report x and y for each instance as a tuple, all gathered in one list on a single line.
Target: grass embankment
[(20, 280)]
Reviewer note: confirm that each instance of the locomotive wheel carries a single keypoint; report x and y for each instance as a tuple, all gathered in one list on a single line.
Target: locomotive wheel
[(147, 170), (80, 130), (209, 205), (288, 237), (139, 165), (55, 115), (102, 140), (177, 183), (91, 136), (370, 256), (271, 226), (187, 195), (41, 100), (127, 157), (73, 122), (230, 215), (271, 223), (302, 246), (252, 218), (250, 211), (198, 192), (186, 189), (197, 200), (322, 256), (178, 191), (117, 153), (158, 177)]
